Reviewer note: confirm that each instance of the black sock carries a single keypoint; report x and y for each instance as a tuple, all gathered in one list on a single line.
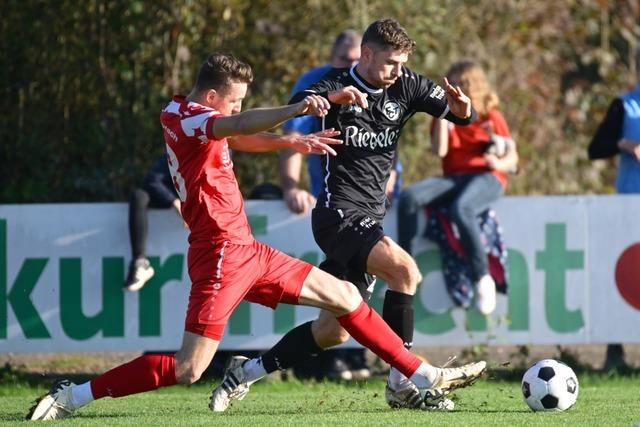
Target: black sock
[(298, 345), (398, 313)]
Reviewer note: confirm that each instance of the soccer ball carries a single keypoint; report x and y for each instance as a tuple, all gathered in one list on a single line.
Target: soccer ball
[(550, 385)]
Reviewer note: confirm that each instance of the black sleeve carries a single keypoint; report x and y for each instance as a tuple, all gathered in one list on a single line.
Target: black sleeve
[(429, 97), (605, 141), (159, 184), (327, 84), (460, 121), (425, 95)]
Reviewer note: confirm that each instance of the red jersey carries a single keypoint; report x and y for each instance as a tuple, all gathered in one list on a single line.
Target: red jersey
[(467, 145), (202, 172)]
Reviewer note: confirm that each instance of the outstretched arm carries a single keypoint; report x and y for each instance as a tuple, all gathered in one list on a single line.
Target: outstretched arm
[(343, 95), (314, 143), (262, 119)]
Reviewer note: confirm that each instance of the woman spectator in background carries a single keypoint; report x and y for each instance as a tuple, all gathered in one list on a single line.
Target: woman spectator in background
[(475, 162)]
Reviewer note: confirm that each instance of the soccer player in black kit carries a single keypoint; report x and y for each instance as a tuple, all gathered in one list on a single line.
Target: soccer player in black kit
[(370, 103)]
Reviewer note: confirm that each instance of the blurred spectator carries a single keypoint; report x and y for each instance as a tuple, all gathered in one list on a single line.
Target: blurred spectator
[(157, 192), (475, 162), (619, 133)]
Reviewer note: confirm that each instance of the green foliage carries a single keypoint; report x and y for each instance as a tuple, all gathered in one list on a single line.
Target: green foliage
[(83, 82)]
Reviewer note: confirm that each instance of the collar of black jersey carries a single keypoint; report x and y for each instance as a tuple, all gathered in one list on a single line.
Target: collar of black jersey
[(361, 82)]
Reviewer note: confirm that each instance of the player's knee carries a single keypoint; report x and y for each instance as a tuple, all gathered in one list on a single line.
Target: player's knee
[(346, 298), (340, 336), (353, 296), (187, 372), (327, 332), (189, 375), (409, 275), (330, 337)]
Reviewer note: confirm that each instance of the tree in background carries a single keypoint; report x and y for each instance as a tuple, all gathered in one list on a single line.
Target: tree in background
[(83, 82)]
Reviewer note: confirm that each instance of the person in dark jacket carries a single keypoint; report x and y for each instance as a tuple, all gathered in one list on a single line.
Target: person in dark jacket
[(157, 192), (619, 134)]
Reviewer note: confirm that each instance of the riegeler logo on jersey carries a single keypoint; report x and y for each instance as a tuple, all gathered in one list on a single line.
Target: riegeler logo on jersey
[(360, 138), (391, 110)]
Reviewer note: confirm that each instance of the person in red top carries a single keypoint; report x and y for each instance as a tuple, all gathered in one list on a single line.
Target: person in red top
[(226, 264), (475, 162)]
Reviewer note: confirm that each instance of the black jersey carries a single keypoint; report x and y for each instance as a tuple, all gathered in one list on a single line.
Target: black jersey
[(357, 176)]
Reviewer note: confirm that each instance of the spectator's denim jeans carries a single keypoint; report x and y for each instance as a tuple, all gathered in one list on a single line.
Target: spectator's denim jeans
[(466, 196)]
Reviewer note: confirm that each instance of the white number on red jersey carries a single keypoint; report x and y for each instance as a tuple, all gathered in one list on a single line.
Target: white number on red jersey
[(178, 180)]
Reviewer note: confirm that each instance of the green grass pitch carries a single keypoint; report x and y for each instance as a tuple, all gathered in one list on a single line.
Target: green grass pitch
[(602, 401)]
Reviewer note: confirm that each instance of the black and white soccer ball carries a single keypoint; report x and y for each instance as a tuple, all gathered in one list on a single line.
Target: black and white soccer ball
[(550, 385)]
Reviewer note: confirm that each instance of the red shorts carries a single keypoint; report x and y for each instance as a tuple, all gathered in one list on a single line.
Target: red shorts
[(225, 274)]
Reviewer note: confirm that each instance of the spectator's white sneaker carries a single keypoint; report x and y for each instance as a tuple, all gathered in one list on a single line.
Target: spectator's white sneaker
[(408, 396), (486, 295), (233, 386), (140, 272), (54, 405)]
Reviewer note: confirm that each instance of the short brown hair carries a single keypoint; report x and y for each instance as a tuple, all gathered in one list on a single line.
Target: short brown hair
[(473, 81), (388, 34), (222, 69)]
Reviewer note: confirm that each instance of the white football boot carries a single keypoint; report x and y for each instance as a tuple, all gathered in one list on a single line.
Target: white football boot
[(233, 386), (54, 405), (450, 379), (409, 396)]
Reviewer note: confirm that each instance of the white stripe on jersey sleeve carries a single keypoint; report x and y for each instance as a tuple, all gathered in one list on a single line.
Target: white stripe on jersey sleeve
[(191, 123), (444, 113), (173, 108)]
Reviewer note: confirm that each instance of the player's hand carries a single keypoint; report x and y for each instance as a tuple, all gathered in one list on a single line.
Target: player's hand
[(315, 143), (348, 95), (298, 200), (459, 103), (314, 105)]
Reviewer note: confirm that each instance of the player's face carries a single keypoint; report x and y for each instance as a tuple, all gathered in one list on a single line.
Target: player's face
[(229, 101), (383, 66)]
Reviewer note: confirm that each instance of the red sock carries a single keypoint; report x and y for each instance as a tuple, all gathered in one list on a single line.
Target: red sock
[(367, 327), (145, 373)]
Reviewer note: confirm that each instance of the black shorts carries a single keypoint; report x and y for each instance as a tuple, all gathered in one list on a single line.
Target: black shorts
[(347, 237)]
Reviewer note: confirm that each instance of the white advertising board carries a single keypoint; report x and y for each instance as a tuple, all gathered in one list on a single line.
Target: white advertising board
[(574, 266)]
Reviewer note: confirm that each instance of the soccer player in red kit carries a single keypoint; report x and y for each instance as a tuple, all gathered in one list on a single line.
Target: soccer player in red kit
[(226, 264)]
